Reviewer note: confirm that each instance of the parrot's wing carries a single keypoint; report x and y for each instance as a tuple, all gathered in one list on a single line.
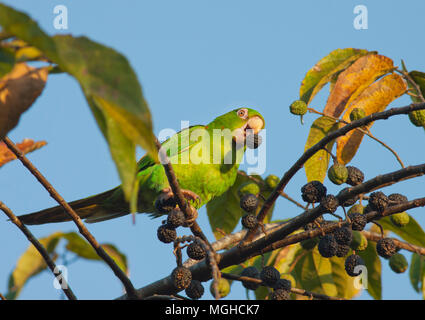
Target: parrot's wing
[(173, 146)]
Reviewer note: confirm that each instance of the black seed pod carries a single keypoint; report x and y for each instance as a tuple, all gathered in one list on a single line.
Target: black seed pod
[(196, 251), (342, 250), (351, 263), (280, 294), (343, 235), (397, 198), (386, 247), (328, 246), (251, 272), (269, 275), (378, 201), (253, 141), (249, 221), (313, 192), (195, 290), (165, 206), (249, 202), (181, 277), (309, 244), (166, 233), (175, 218), (282, 284), (329, 203), (355, 176), (358, 221)]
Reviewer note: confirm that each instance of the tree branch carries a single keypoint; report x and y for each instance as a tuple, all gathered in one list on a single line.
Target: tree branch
[(43, 252), (131, 291)]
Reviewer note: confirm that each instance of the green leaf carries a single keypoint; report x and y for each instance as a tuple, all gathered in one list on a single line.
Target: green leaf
[(373, 265), (83, 249), (412, 232), (224, 212), (417, 272), (325, 69), (30, 264), (109, 83), (7, 60), (344, 283), (314, 273), (419, 78), (316, 167)]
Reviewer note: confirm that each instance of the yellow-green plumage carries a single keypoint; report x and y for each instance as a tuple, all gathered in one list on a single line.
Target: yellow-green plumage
[(198, 166)]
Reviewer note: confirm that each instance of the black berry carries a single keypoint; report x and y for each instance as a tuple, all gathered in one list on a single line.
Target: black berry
[(249, 221), (195, 290), (351, 263), (282, 284), (280, 294), (181, 277), (196, 251), (313, 192), (386, 247), (343, 236), (329, 203), (249, 202), (342, 250), (175, 218), (378, 201), (328, 246), (251, 272), (355, 176), (166, 233), (358, 221), (269, 275)]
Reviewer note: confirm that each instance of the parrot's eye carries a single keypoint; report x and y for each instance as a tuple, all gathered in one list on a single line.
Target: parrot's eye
[(242, 113)]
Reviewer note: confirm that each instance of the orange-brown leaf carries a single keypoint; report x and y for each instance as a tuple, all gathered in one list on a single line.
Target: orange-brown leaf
[(352, 81), (26, 146), (18, 90), (373, 99)]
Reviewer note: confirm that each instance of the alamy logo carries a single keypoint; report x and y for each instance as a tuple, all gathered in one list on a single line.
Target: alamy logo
[(61, 279), (60, 21), (361, 20)]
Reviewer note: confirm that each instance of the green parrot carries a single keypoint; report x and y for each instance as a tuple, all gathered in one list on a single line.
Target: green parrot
[(205, 160)]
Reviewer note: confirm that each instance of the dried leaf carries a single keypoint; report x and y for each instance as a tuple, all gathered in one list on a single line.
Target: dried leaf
[(325, 69), (18, 91), (26, 146), (353, 81), (373, 99)]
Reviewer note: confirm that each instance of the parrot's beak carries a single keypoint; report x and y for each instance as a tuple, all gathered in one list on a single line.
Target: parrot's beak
[(255, 123)]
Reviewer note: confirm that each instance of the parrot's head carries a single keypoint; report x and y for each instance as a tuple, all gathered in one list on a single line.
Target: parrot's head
[(240, 121)]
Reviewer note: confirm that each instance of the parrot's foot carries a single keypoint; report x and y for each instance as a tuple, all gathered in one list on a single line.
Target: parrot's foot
[(167, 202)]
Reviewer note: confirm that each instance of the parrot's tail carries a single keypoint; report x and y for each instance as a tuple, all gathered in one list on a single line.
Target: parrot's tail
[(90, 208)]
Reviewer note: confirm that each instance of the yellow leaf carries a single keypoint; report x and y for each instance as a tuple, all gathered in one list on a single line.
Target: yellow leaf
[(352, 81), (18, 91), (373, 99)]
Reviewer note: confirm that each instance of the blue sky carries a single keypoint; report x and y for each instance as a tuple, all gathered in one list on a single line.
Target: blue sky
[(195, 61)]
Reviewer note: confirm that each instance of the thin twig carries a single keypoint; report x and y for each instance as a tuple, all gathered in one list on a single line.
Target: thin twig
[(364, 131), (283, 194), (175, 187), (2, 297), (131, 291), (302, 292), (43, 252), (400, 244)]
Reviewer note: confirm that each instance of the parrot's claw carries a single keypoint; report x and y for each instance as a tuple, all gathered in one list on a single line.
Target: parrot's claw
[(166, 200)]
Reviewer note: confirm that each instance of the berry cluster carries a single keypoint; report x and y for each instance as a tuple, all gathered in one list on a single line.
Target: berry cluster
[(270, 277)]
